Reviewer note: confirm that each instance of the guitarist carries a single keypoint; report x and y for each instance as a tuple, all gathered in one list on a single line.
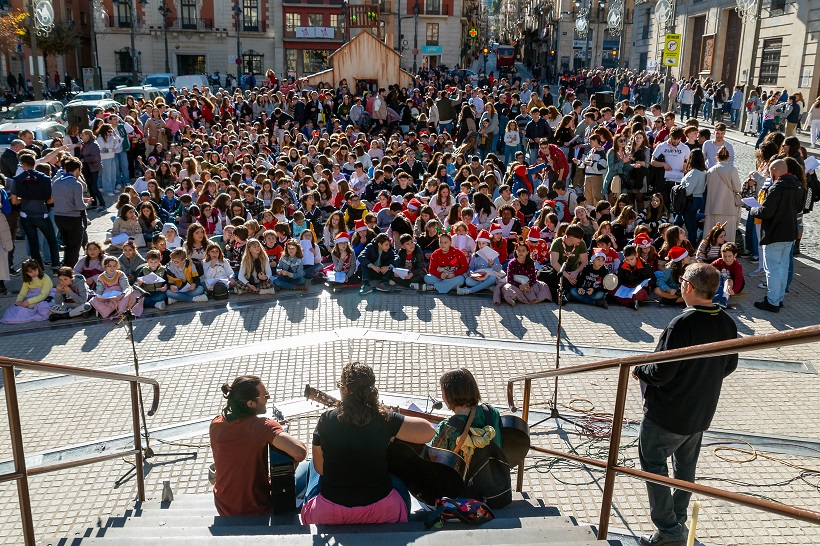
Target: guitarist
[(347, 481), (474, 432), (239, 439)]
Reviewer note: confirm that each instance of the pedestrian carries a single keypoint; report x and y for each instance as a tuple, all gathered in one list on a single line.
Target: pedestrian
[(69, 207), (783, 201), (92, 165), (680, 400), (723, 189)]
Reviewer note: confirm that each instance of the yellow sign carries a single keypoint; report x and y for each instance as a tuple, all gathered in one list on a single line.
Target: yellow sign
[(671, 50)]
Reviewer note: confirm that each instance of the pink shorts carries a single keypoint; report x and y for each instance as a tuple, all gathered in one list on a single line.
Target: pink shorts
[(320, 511)]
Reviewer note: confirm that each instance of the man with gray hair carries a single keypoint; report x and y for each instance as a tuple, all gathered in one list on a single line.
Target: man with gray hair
[(680, 399)]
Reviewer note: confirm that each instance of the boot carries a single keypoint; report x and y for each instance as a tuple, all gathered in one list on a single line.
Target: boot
[(797, 247), (3, 290), (57, 316)]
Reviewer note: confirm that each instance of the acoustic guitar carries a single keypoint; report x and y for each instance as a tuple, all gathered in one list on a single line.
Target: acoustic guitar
[(429, 473)]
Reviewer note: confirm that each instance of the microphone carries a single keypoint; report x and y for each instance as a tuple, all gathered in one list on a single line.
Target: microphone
[(141, 290), (437, 404)]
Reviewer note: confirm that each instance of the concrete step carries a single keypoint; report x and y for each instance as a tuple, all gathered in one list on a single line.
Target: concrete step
[(339, 540)]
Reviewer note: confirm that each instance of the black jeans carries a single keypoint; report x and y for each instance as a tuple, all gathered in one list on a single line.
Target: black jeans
[(71, 230), (30, 225), (94, 190)]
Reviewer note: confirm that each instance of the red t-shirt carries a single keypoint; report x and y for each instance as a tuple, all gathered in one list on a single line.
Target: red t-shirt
[(242, 483)]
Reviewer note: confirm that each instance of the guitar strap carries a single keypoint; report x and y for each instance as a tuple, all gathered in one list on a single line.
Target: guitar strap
[(465, 432)]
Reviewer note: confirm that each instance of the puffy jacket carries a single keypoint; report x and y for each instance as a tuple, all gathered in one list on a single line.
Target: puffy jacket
[(782, 203)]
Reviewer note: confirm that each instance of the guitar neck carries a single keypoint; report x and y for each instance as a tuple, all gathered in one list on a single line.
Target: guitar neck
[(321, 397)]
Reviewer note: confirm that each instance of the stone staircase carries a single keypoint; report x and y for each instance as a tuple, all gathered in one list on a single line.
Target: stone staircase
[(192, 519)]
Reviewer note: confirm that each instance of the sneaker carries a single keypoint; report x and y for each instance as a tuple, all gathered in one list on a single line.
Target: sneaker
[(381, 287), (110, 194), (391, 282), (202, 298), (602, 303), (171, 301), (766, 306), (758, 273), (429, 288), (657, 539), (762, 285), (14, 272), (413, 285), (463, 291), (634, 305), (160, 305), (755, 259), (365, 289), (267, 291)]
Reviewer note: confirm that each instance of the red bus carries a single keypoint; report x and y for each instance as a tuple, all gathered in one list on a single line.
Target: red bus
[(506, 57)]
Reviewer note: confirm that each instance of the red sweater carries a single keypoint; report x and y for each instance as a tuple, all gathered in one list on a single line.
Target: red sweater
[(454, 259), (735, 273)]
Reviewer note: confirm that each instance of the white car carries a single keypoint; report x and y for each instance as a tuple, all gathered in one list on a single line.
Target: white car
[(162, 81), (91, 95), (35, 110), (43, 131)]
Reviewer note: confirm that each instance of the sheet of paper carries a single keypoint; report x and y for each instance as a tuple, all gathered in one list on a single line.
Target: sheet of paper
[(119, 239), (488, 254), (109, 294), (628, 292), (811, 163), (187, 288), (336, 276), (751, 202), (460, 242), (401, 272), (152, 278)]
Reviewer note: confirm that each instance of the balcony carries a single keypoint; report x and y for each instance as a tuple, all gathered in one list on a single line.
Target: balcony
[(118, 22), (184, 23)]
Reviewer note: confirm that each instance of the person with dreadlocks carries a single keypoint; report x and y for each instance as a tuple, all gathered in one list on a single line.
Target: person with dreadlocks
[(238, 440), (347, 481)]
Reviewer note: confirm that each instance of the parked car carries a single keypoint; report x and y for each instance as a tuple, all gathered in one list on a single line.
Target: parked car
[(118, 81), (43, 130), (92, 95), (465, 75), (138, 92), (90, 106), (36, 110), (162, 81), (188, 82)]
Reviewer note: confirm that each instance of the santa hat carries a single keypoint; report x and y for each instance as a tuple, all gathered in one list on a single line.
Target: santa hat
[(534, 234), (342, 237), (677, 253), (495, 228), (643, 240), (597, 253), (483, 236), (414, 204), (360, 225)]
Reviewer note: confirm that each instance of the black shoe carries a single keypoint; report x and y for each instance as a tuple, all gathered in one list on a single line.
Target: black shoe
[(634, 305), (317, 280), (3, 289), (766, 306), (657, 539), (57, 316), (602, 303), (667, 301), (14, 272)]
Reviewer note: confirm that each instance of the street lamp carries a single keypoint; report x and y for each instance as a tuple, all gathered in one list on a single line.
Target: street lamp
[(344, 20), (132, 9), (416, 10), (237, 11), (164, 12)]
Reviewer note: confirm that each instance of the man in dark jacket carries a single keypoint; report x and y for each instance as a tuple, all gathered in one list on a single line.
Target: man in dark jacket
[(535, 130), (680, 399), (412, 167), (32, 191), (8, 160), (783, 202), (375, 263)]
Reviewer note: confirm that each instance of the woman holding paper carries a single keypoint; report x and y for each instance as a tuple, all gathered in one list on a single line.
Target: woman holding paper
[(114, 295), (485, 269)]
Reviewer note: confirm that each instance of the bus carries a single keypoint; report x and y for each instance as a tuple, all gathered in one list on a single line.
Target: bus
[(506, 57)]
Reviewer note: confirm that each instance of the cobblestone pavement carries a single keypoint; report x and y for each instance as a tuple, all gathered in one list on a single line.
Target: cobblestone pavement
[(297, 339)]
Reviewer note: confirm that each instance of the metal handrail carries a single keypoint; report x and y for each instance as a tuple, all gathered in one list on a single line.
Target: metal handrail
[(21, 473), (798, 336)]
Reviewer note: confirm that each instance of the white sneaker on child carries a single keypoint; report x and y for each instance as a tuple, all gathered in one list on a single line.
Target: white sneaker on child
[(202, 298), (171, 301), (267, 291), (160, 305), (414, 285), (463, 291)]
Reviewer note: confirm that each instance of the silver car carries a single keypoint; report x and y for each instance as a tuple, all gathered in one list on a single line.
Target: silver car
[(43, 131), (36, 110)]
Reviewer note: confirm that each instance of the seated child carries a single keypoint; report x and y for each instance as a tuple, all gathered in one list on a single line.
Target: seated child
[(156, 290), (311, 256), (272, 247), (216, 269), (521, 267), (290, 273), (343, 258), (172, 238), (632, 272), (235, 249), (646, 251), (169, 203), (130, 260), (184, 279), (113, 293), (731, 274), (410, 256), (71, 295), (668, 286), (483, 274), (589, 287), (90, 265), (31, 304), (539, 249), (255, 274)]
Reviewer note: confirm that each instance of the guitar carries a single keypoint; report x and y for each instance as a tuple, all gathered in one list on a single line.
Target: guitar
[(282, 473), (429, 473)]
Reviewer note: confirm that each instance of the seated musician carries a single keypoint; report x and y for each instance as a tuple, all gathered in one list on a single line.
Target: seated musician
[(348, 482), (239, 439)]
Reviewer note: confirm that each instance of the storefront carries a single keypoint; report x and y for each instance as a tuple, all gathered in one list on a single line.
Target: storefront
[(431, 55)]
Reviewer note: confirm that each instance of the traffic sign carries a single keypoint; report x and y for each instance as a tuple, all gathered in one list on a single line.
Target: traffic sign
[(415, 51), (671, 50)]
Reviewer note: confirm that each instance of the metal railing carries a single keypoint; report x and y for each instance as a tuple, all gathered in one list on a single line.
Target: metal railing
[(21, 472), (185, 23), (743, 345)]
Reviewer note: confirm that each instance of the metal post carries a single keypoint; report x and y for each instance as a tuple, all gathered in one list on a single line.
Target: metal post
[(416, 9), (94, 62), (19, 454), (614, 449), (237, 11), (164, 11), (35, 58), (138, 463), (134, 61), (589, 38), (525, 413), (750, 75)]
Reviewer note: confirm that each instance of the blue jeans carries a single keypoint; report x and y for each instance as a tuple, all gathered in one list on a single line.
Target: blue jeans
[(309, 483), (777, 256), (589, 299), (685, 111), (735, 116), (476, 286), (443, 286), (509, 154), (751, 236), (121, 162), (288, 283), (655, 446), (153, 298), (707, 110), (186, 296), (765, 129), (94, 190), (691, 217), (46, 249), (446, 127), (369, 275), (108, 174), (312, 270), (32, 227)]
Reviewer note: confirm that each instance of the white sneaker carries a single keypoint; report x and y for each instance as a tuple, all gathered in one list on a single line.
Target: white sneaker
[(463, 291), (267, 291), (758, 273), (414, 285), (429, 287), (202, 298), (171, 301), (160, 305), (110, 194), (391, 282), (762, 285)]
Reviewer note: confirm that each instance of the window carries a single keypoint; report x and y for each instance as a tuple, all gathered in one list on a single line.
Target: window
[(777, 7), (316, 20), (292, 20), (314, 60), (432, 7), (432, 34), (338, 24), (122, 59), (189, 14), (83, 18), (253, 61), (647, 24), (250, 15), (770, 61), (290, 61), (123, 15)]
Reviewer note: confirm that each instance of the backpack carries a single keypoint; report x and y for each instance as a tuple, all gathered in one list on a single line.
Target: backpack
[(678, 199), (488, 477), (469, 511)]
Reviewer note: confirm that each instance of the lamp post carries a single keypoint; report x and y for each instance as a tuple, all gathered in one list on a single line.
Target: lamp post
[(132, 10), (343, 8), (164, 12), (416, 10), (237, 11)]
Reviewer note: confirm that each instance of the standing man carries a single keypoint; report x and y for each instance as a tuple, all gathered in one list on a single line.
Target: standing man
[(710, 147), (671, 155), (680, 399), (535, 130), (782, 203), (69, 206)]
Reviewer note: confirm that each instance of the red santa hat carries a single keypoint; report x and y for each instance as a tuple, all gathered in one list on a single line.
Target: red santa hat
[(495, 228), (359, 225), (342, 237), (597, 253), (483, 236), (534, 234), (643, 240), (677, 253), (414, 204)]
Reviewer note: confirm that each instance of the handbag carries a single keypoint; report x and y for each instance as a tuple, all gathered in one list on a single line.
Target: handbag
[(616, 185), (736, 195)]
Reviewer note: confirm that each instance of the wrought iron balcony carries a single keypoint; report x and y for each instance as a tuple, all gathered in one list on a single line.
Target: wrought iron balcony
[(184, 23)]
